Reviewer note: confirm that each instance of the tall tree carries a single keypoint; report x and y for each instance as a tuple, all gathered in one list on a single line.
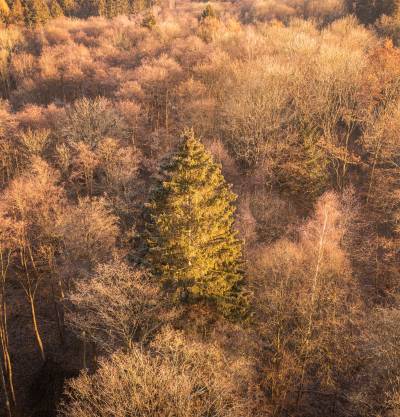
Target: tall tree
[(307, 305), (68, 6), (6, 249), (55, 9), (36, 12), (116, 8), (32, 204), (17, 13), (192, 246)]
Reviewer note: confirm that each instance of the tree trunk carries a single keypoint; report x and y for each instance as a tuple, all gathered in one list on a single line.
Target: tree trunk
[(58, 313), (7, 363), (84, 350), (312, 308), (4, 334), (5, 392), (36, 328), (373, 172)]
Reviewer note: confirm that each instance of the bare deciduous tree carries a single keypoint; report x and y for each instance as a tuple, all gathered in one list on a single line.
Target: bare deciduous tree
[(116, 306), (307, 306), (174, 377)]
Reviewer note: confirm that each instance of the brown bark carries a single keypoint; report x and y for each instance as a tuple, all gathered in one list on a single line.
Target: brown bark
[(36, 328), (7, 364), (5, 392), (3, 330)]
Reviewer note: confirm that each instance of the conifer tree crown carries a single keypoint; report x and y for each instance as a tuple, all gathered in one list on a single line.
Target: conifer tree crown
[(55, 9), (17, 15), (36, 12), (192, 246)]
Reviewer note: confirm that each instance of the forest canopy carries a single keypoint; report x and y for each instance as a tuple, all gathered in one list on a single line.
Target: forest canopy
[(199, 208)]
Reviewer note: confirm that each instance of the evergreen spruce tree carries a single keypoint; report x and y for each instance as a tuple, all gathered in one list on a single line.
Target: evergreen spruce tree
[(122, 7), (192, 247), (55, 9), (68, 6), (116, 8), (108, 9), (136, 6), (36, 12), (17, 13), (305, 174)]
